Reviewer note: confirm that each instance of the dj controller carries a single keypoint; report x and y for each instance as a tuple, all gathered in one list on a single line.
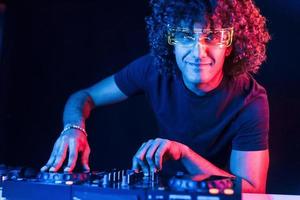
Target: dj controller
[(27, 184)]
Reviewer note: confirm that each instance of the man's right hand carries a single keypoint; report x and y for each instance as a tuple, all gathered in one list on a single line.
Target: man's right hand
[(76, 142), (77, 109)]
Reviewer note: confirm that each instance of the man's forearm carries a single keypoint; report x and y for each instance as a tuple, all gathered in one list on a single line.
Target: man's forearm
[(78, 108), (196, 164)]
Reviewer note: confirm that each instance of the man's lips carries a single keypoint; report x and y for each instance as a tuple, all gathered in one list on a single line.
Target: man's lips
[(200, 64)]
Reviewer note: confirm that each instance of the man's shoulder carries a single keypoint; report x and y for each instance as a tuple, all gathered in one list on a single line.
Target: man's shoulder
[(246, 84), (135, 76), (144, 59), (248, 88)]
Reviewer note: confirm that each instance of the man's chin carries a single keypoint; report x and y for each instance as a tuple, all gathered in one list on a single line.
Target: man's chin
[(195, 80)]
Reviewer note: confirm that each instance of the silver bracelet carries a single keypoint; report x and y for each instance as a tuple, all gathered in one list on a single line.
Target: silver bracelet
[(73, 126)]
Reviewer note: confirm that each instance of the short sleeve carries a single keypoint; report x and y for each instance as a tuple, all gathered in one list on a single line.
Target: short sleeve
[(252, 124), (132, 79)]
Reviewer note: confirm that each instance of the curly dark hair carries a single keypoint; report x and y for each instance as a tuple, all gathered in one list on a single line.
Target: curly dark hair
[(250, 32)]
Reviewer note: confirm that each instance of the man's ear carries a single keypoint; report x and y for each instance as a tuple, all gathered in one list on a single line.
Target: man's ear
[(228, 51)]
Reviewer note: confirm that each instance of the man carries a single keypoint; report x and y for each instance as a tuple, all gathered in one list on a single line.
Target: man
[(209, 109)]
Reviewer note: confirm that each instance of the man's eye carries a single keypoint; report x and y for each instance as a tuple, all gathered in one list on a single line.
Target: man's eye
[(188, 36), (184, 37), (212, 37)]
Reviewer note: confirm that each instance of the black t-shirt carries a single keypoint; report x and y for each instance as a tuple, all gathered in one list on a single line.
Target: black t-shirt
[(235, 115)]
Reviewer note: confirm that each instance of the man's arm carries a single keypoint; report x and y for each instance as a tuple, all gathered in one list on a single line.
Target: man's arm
[(81, 103), (251, 166), (106, 92), (77, 110)]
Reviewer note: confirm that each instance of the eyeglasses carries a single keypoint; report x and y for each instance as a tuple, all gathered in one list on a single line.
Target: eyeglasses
[(211, 37)]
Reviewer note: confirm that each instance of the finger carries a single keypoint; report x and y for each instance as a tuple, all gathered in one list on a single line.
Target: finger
[(160, 152), (60, 157), (139, 157), (52, 156), (144, 166), (150, 154), (85, 158), (73, 155), (135, 165)]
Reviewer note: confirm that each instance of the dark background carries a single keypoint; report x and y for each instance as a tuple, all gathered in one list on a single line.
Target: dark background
[(52, 49)]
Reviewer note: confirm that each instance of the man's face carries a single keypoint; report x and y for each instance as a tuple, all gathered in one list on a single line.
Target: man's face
[(201, 63)]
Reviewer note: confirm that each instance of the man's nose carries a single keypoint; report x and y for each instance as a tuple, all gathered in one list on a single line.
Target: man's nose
[(200, 49)]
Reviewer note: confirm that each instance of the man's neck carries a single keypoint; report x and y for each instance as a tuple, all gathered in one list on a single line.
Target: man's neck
[(202, 88)]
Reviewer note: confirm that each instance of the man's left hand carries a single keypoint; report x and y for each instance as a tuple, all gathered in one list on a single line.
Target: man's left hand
[(152, 153)]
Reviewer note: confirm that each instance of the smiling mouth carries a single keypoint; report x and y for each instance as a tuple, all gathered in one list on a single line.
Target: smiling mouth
[(200, 64)]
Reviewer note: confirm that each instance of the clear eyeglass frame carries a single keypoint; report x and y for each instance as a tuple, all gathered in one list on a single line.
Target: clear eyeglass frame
[(220, 37)]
